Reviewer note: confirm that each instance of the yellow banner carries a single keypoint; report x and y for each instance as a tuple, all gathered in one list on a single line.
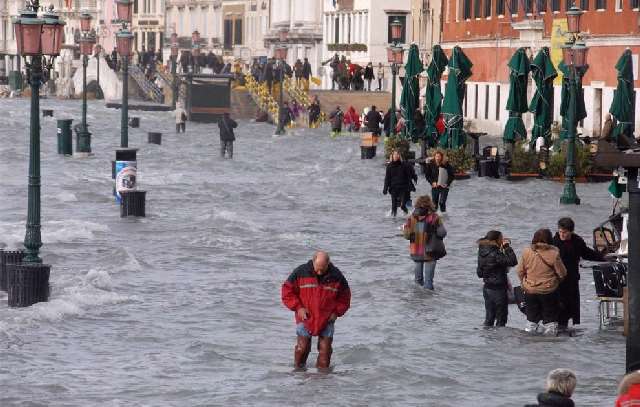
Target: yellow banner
[(559, 36)]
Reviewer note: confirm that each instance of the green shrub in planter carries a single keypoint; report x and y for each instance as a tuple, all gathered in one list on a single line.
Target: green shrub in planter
[(396, 142), (558, 161), (524, 162)]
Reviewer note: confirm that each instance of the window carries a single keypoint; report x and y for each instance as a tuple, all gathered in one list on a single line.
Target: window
[(635, 4), (555, 5), (618, 5), (568, 4), (336, 31), (475, 104), (528, 6), (477, 6), (500, 7), (466, 9), (487, 8), (135, 6), (237, 34), (403, 21), (228, 34), (541, 5), (584, 4), (349, 29), (486, 102), (498, 103), (514, 6), (601, 4)]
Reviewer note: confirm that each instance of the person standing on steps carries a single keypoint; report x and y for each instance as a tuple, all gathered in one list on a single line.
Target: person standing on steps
[(426, 232), (440, 175), (398, 181), (572, 248), (319, 294), (226, 125), (495, 256), (380, 76), (368, 75)]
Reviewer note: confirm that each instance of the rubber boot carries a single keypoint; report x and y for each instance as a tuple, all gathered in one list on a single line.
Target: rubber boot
[(324, 352), (301, 352), (551, 329), (531, 327)]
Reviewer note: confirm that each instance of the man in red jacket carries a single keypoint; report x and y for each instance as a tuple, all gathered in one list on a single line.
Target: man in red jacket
[(318, 293)]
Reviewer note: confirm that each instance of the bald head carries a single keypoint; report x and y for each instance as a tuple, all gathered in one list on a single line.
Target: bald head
[(321, 262)]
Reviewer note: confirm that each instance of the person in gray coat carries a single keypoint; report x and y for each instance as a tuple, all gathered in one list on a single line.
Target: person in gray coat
[(226, 125)]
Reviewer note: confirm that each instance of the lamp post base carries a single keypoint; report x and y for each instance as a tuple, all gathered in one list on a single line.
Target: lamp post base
[(569, 195), (83, 140)]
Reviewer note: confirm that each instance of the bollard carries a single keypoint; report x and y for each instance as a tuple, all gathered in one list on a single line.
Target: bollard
[(47, 112), (28, 283), (133, 203), (126, 171), (134, 122), (8, 258), (155, 138), (65, 137)]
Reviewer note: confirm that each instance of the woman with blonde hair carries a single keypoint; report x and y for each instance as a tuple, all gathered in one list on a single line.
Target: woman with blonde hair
[(425, 231)]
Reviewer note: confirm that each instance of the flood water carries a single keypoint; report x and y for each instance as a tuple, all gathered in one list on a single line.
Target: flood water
[(182, 308)]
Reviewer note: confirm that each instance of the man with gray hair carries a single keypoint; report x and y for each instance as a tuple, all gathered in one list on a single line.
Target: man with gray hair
[(560, 386), (318, 293)]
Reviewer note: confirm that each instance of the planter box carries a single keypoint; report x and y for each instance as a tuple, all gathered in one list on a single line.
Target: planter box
[(519, 176), (461, 176), (578, 180)]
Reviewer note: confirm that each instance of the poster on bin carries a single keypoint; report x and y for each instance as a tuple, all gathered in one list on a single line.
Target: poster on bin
[(126, 172)]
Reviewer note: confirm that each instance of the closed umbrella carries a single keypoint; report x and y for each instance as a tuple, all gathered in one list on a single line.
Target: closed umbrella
[(543, 73), (624, 100), (459, 71), (581, 111), (433, 94), (410, 96), (517, 101)]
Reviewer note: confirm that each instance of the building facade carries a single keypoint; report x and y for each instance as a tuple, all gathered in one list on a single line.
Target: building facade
[(148, 25), (489, 31), (183, 17), (426, 25), (302, 20), (359, 30)]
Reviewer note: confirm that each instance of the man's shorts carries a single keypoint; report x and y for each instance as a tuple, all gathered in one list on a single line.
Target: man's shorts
[(326, 332)]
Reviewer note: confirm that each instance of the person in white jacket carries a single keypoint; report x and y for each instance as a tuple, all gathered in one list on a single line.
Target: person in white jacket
[(181, 119)]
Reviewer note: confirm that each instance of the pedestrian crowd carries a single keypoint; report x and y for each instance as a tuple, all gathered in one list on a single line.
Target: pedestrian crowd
[(346, 75)]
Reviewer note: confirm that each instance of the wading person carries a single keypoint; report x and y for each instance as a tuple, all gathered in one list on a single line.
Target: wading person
[(181, 119), (335, 118), (540, 271), (226, 125), (561, 383), (398, 181), (373, 120), (440, 175), (572, 248), (318, 293), (426, 232), (495, 256), (629, 390)]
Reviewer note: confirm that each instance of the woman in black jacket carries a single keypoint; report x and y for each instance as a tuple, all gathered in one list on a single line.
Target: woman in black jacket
[(398, 181), (368, 75), (439, 191), (495, 256), (572, 249)]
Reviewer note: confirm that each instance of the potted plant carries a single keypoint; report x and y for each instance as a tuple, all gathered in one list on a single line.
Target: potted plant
[(558, 163), (396, 142), (524, 164), (461, 161)]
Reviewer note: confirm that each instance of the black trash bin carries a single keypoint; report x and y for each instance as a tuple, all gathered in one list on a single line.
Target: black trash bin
[(65, 137), (154, 138)]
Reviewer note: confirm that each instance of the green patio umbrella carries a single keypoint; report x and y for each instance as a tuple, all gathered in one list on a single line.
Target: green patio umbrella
[(410, 96), (624, 98), (543, 74), (459, 71), (433, 94), (517, 101), (581, 111)]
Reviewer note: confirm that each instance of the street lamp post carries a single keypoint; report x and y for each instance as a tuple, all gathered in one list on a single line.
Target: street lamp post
[(86, 48), (574, 55), (280, 52), (395, 55), (38, 41), (174, 63), (124, 39)]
